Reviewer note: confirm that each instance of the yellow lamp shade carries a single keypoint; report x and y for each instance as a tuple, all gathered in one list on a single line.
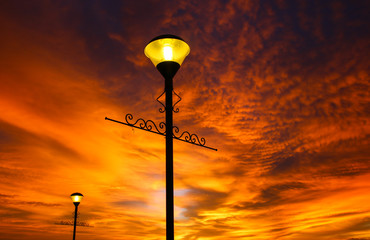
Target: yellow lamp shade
[(76, 197), (167, 48)]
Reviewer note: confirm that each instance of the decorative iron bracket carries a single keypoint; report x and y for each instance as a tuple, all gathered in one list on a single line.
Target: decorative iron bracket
[(190, 138), (150, 126), (175, 110), (161, 110)]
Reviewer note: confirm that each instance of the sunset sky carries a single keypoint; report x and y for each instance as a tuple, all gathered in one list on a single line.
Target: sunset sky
[(280, 88)]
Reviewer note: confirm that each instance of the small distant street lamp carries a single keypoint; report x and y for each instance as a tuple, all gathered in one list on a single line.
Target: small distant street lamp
[(76, 199), (167, 52)]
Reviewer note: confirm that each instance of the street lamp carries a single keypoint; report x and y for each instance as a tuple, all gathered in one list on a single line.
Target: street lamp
[(167, 52), (76, 199)]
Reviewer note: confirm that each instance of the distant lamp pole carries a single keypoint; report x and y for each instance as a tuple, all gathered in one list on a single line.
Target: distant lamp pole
[(76, 199), (167, 52)]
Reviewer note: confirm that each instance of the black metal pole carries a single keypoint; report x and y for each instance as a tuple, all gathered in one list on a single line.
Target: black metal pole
[(170, 228), (74, 224)]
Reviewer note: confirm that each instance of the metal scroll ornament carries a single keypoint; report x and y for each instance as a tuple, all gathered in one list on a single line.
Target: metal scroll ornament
[(187, 137), (176, 110), (150, 126), (162, 110), (190, 138)]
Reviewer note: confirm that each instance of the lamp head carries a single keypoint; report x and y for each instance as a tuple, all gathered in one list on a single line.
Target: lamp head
[(76, 198), (167, 52)]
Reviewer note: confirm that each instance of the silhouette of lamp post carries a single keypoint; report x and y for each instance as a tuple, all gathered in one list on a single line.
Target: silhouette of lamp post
[(76, 199), (167, 52)]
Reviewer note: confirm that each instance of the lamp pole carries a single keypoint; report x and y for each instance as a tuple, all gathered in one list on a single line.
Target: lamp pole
[(76, 199), (167, 52), (75, 221), (170, 227)]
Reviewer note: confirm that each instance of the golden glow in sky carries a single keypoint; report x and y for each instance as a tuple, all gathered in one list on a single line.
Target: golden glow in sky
[(280, 88)]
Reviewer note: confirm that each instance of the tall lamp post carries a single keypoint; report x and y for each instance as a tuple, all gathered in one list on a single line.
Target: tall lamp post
[(167, 52), (76, 199)]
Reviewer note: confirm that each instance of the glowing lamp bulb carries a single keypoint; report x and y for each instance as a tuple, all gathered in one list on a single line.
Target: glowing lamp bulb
[(167, 53), (76, 197)]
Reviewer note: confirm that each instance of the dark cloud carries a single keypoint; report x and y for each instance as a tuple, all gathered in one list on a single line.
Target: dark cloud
[(14, 200), (346, 161), (12, 136), (358, 238), (13, 213), (203, 200), (277, 195), (128, 204)]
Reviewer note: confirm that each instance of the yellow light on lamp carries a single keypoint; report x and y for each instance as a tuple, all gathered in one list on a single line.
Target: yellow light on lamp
[(76, 197), (167, 48), (167, 53)]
